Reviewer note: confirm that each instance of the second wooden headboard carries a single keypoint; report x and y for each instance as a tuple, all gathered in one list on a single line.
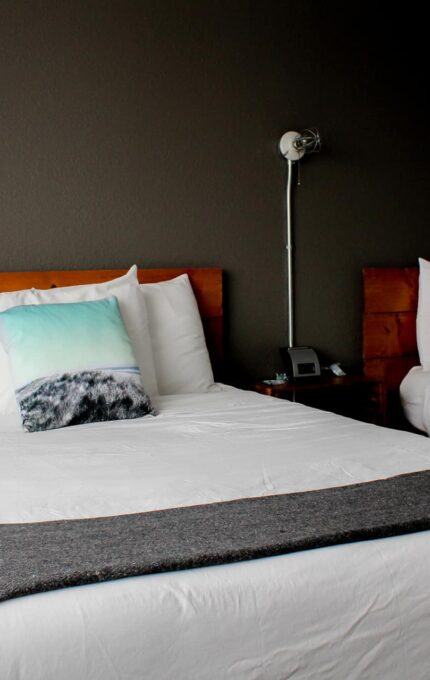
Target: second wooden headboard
[(389, 323)]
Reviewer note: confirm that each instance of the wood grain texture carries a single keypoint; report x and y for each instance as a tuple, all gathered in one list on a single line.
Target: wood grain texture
[(389, 334), (390, 370), (206, 283), (390, 289), (390, 297)]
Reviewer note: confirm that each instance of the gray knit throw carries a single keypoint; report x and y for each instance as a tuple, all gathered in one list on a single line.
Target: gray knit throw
[(42, 556)]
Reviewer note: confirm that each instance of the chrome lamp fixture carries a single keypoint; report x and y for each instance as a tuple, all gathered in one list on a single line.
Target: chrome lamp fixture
[(293, 146)]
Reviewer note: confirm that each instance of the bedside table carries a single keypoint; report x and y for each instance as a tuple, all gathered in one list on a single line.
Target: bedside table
[(354, 396)]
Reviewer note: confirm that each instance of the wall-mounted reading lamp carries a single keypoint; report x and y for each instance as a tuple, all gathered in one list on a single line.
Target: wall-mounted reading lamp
[(300, 361)]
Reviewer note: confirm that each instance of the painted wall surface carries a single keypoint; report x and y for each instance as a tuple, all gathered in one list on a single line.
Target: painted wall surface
[(146, 131)]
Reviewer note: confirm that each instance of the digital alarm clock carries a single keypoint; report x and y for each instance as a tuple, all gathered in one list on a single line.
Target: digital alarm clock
[(300, 362)]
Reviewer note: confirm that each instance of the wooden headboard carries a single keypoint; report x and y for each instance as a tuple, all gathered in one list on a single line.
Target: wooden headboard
[(206, 283), (389, 322), (389, 330)]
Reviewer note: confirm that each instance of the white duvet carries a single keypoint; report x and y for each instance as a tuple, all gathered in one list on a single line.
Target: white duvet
[(359, 611)]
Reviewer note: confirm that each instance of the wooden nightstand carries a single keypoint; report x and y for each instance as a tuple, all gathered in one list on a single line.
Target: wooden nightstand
[(354, 396)]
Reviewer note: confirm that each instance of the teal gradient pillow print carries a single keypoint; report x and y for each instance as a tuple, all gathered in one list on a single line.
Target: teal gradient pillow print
[(72, 363)]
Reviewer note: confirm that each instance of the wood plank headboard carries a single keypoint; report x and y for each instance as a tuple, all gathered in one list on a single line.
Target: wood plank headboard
[(389, 322), (206, 283)]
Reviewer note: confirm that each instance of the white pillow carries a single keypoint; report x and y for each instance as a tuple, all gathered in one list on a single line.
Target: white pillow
[(133, 311), (414, 392), (179, 349), (423, 314)]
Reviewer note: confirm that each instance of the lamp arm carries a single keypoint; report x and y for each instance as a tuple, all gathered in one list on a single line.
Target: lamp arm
[(293, 146), (289, 249)]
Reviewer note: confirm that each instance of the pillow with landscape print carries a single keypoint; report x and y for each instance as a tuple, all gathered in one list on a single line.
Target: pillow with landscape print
[(133, 311), (72, 363)]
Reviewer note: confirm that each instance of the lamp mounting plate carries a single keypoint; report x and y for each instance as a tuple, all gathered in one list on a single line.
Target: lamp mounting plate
[(287, 146)]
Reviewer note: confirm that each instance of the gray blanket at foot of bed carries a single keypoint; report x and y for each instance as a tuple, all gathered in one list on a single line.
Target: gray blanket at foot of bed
[(41, 556)]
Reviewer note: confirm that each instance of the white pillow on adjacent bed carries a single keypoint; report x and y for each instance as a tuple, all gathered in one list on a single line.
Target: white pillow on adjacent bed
[(179, 349), (415, 397), (423, 313), (132, 305)]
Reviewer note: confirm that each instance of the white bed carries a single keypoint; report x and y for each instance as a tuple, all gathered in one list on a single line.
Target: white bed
[(358, 611)]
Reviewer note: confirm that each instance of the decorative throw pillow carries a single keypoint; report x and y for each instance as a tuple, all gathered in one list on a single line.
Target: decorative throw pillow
[(72, 363), (179, 349), (423, 313), (132, 305)]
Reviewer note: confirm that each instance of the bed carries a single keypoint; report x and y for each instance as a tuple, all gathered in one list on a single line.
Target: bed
[(358, 610), (390, 347)]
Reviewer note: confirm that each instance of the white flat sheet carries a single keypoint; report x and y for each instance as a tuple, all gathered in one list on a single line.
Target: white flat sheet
[(356, 611), (415, 397)]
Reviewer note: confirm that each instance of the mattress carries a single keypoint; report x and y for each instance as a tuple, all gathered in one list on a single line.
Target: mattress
[(351, 611), (415, 397)]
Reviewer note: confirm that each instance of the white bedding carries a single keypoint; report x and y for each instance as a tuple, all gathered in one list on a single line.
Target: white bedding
[(359, 611), (415, 397)]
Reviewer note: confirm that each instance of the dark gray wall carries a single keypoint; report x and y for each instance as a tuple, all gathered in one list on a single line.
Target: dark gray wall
[(147, 132)]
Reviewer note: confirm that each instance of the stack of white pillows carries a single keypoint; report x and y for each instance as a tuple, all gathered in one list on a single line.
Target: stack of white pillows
[(163, 325)]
